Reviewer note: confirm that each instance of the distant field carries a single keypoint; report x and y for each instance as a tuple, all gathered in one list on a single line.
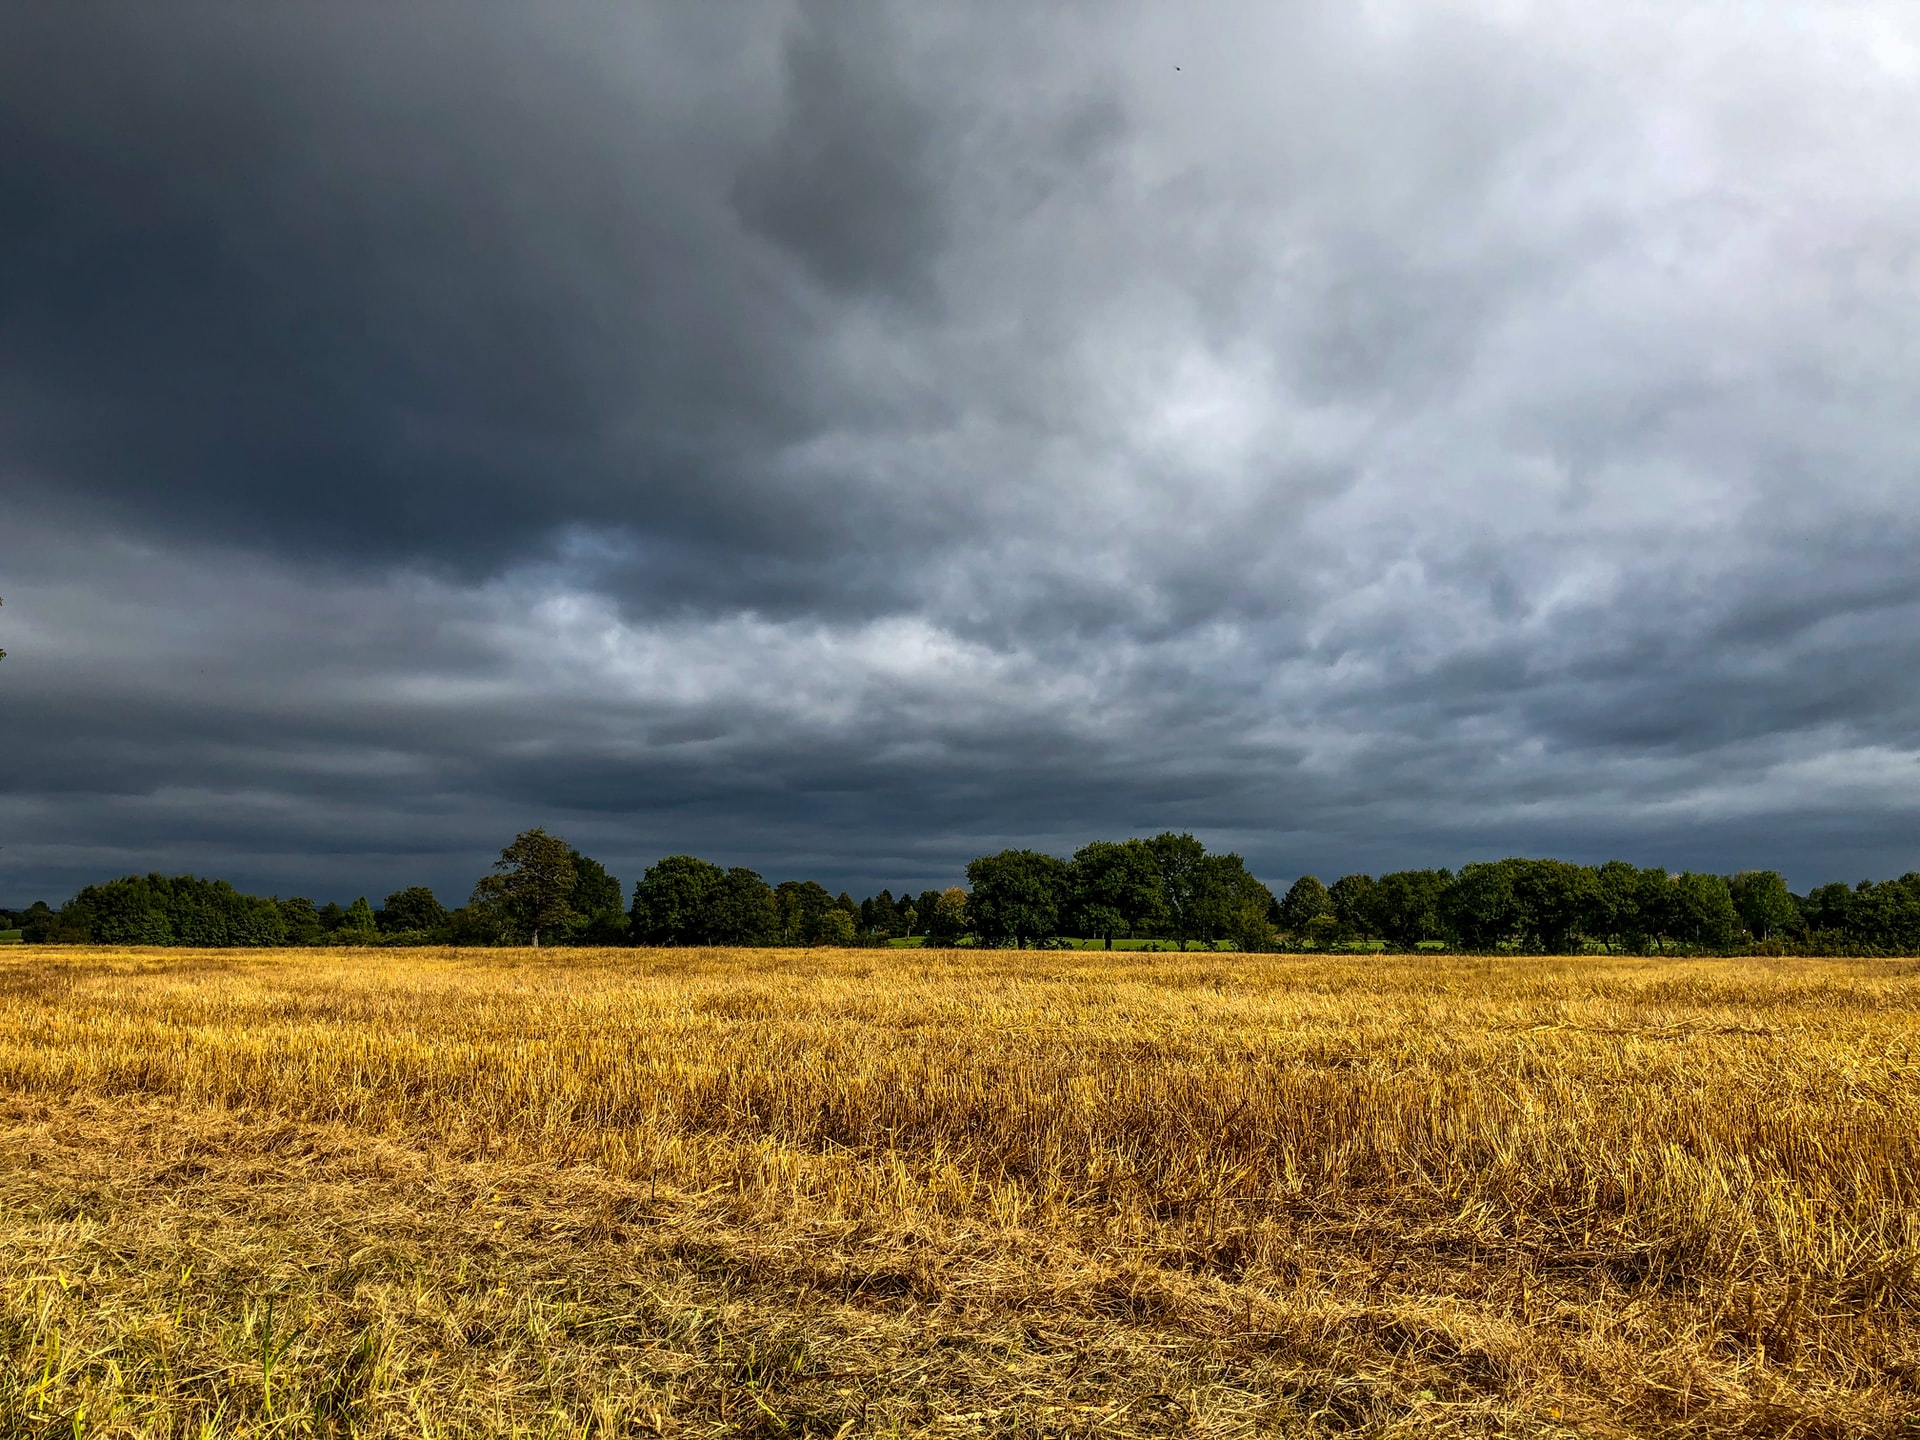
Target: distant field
[(568, 1193)]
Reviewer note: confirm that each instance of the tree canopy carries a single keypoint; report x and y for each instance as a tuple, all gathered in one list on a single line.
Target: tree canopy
[(1018, 895), (532, 884), (1114, 887), (1140, 890)]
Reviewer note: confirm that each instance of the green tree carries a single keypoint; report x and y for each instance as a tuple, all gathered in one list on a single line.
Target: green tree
[(673, 901), (1190, 893), (360, 921), (477, 924), (948, 916), (1115, 887), (532, 886), (1558, 902), (128, 911), (41, 924), (879, 915), (802, 906), (1239, 906), (160, 909), (1616, 907), (1766, 906), (415, 910), (1864, 918), (1703, 910), (836, 927), (1654, 907), (1404, 906), (1880, 918), (599, 908), (742, 910), (1829, 909), (299, 920), (1016, 895), (1480, 905), (1899, 913), (1306, 902), (1351, 897)]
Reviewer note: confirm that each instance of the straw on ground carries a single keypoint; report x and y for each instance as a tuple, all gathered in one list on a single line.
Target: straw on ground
[(838, 1193)]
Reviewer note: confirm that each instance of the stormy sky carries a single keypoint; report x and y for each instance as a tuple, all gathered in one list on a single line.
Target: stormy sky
[(843, 439)]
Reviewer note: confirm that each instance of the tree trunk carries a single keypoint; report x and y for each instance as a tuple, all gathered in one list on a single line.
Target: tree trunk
[(536, 939), (1109, 939)]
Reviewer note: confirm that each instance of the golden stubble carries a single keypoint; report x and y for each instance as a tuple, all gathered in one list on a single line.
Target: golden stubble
[(690, 1192)]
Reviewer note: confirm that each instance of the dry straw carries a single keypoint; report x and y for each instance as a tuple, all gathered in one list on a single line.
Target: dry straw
[(703, 1192)]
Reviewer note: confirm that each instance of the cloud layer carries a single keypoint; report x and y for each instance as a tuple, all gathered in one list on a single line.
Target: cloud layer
[(842, 438)]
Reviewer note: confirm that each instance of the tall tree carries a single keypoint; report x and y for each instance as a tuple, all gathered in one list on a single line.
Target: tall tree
[(599, 907), (1115, 887), (1558, 902), (1900, 912), (802, 906), (835, 927), (947, 916), (1480, 904), (1404, 906), (360, 919), (1703, 910), (924, 907), (1897, 914), (673, 901), (1616, 907), (299, 920), (879, 915), (1189, 885), (41, 924), (415, 910), (1306, 902), (1829, 908), (1765, 905), (1237, 905), (742, 910), (1654, 908), (1351, 897), (532, 884), (1017, 895)]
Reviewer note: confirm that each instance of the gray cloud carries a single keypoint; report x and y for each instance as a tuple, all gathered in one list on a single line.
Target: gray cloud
[(841, 438), (849, 180)]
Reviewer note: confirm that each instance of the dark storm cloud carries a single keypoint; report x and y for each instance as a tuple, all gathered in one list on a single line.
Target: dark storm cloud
[(846, 437), (372, 283), (848, 181)]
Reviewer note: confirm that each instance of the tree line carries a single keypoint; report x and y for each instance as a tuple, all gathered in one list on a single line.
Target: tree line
[(1168, 887), (1554, 907)]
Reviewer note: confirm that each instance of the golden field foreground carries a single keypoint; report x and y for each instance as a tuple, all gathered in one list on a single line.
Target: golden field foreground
[(840, 1193)]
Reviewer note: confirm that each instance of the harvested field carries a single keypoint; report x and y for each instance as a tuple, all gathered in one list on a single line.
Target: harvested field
[(574, 1193)]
